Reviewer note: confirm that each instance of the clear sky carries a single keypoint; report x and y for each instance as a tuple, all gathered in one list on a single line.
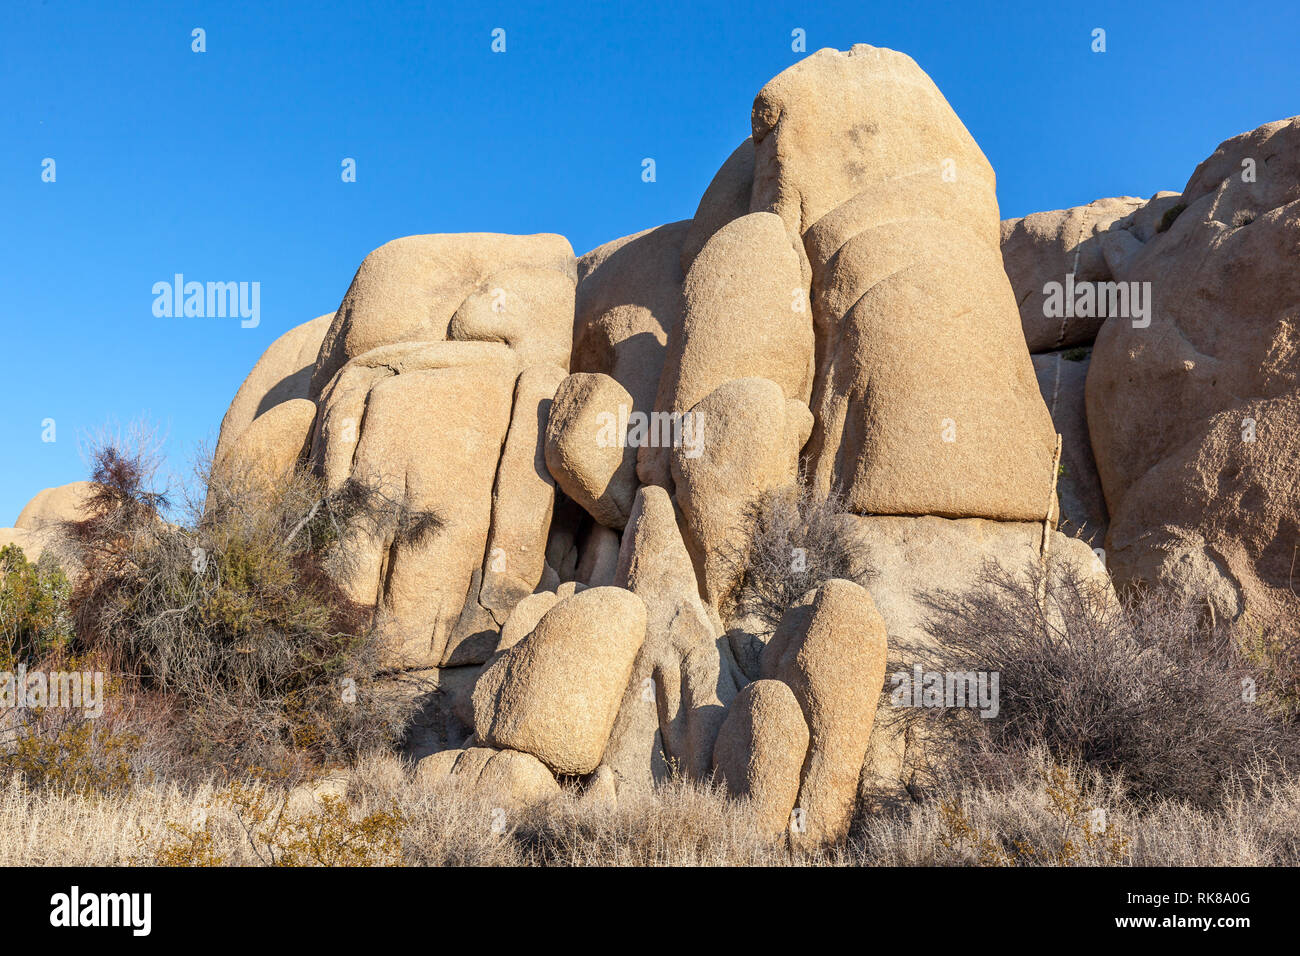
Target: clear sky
[(225, 165)]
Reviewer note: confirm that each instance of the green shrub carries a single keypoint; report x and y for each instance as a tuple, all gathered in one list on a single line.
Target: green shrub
[(34, 613), (1172, 213), (75, 756)]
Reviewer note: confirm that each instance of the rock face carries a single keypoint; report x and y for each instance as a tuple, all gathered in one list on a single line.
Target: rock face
[(583, 441), (923, 385), (1045, 247), (281, 374), (760, 750), (830, 649), (62, 503), (1061, 380), (555, 693), (1193, 416)]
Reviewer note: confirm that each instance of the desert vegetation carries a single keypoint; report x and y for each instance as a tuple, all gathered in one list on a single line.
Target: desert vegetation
[(225, 740)]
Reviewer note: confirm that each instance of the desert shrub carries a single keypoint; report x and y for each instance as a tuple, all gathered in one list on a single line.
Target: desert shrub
[(796, 540), (1274, 650), (1242, 217), (1172, 213), (34, 614), (233, 616), (77, 756), (1148, 690), (1081, 836)]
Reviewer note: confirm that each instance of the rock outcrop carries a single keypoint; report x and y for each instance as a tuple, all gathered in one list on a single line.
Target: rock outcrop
[(923, 384), (584, 441), (1192, 410)]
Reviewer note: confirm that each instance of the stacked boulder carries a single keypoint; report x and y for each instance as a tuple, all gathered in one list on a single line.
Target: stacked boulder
[(592, 434)]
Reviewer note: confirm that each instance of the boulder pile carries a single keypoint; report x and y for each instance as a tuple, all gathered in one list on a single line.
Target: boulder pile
[(844, 309)]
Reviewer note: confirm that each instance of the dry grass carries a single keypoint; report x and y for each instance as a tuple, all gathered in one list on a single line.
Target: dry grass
[(380, 817)]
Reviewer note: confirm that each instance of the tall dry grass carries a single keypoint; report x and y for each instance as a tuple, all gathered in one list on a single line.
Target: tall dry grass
[(1256, 823)]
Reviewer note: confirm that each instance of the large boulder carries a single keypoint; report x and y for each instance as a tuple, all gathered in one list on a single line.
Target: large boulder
[(1046, 247), (282, 373), (744, 314), (1194, 408), (471, 287), (838, 122), (830, 649), (924, 397), (760, 750), (587, 449), (518, 780), (555, 694), (748, 436)]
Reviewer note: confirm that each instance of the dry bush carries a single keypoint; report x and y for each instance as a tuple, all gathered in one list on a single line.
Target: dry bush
[(232, 618), (1148, 690), (1274, 650), (796, 540)]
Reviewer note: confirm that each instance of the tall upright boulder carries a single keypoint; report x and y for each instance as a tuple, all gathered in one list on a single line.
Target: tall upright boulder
[(924, 397)]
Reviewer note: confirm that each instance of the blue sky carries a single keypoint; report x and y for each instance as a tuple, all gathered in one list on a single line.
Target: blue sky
[(225, 165)]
